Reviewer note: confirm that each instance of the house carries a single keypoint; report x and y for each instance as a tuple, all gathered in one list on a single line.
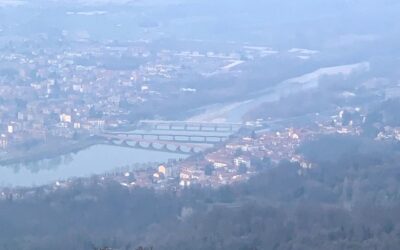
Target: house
[(162, 170), (65, 118), (241, 160), (218, 160)]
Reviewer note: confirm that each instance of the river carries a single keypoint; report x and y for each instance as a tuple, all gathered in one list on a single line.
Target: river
[(234, 112), (99, 159), (96, 159)]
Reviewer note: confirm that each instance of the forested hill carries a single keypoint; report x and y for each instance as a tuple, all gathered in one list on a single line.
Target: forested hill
[(351, 200)]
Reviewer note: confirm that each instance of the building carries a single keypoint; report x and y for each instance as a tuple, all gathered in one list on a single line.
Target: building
[(239, 161), (65, 118), (3, 141), (163, 170)]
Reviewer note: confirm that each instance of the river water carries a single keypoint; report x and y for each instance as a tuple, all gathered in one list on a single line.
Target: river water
[(104, 158), (234, 112), (97, 159)]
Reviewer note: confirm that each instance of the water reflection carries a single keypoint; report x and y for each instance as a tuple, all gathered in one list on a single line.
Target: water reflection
[(94, 160), (45, 164)]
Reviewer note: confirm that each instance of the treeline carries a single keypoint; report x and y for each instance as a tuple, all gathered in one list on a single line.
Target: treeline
[(368, 90), (349, 200)]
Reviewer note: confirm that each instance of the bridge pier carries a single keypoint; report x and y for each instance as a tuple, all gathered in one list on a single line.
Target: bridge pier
[(179, 150), (165, 147)]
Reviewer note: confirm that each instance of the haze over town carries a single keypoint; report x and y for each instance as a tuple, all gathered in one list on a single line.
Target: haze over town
[(187, 124)]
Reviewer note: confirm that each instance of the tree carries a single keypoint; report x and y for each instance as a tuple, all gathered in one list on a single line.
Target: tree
[(242, 168), (209, 169), (238, 152)]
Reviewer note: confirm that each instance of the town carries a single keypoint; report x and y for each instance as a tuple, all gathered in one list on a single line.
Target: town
[(63, 99), (244, 154), (76, 90)]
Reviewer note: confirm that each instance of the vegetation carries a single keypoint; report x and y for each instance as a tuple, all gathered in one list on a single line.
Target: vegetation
[(349, 200)]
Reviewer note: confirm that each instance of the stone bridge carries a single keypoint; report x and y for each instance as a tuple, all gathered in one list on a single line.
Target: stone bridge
[(157, 145)]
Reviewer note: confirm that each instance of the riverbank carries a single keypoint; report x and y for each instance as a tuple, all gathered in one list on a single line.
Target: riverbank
[(51, 149)]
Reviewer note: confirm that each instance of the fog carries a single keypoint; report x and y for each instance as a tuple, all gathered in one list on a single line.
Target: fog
[(248, 125)]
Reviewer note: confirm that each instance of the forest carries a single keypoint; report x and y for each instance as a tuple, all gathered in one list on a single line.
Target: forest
[(349, 200)]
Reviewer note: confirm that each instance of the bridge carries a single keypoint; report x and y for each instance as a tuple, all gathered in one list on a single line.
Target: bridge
[(190, 125), (166, 146), (172, 137)]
